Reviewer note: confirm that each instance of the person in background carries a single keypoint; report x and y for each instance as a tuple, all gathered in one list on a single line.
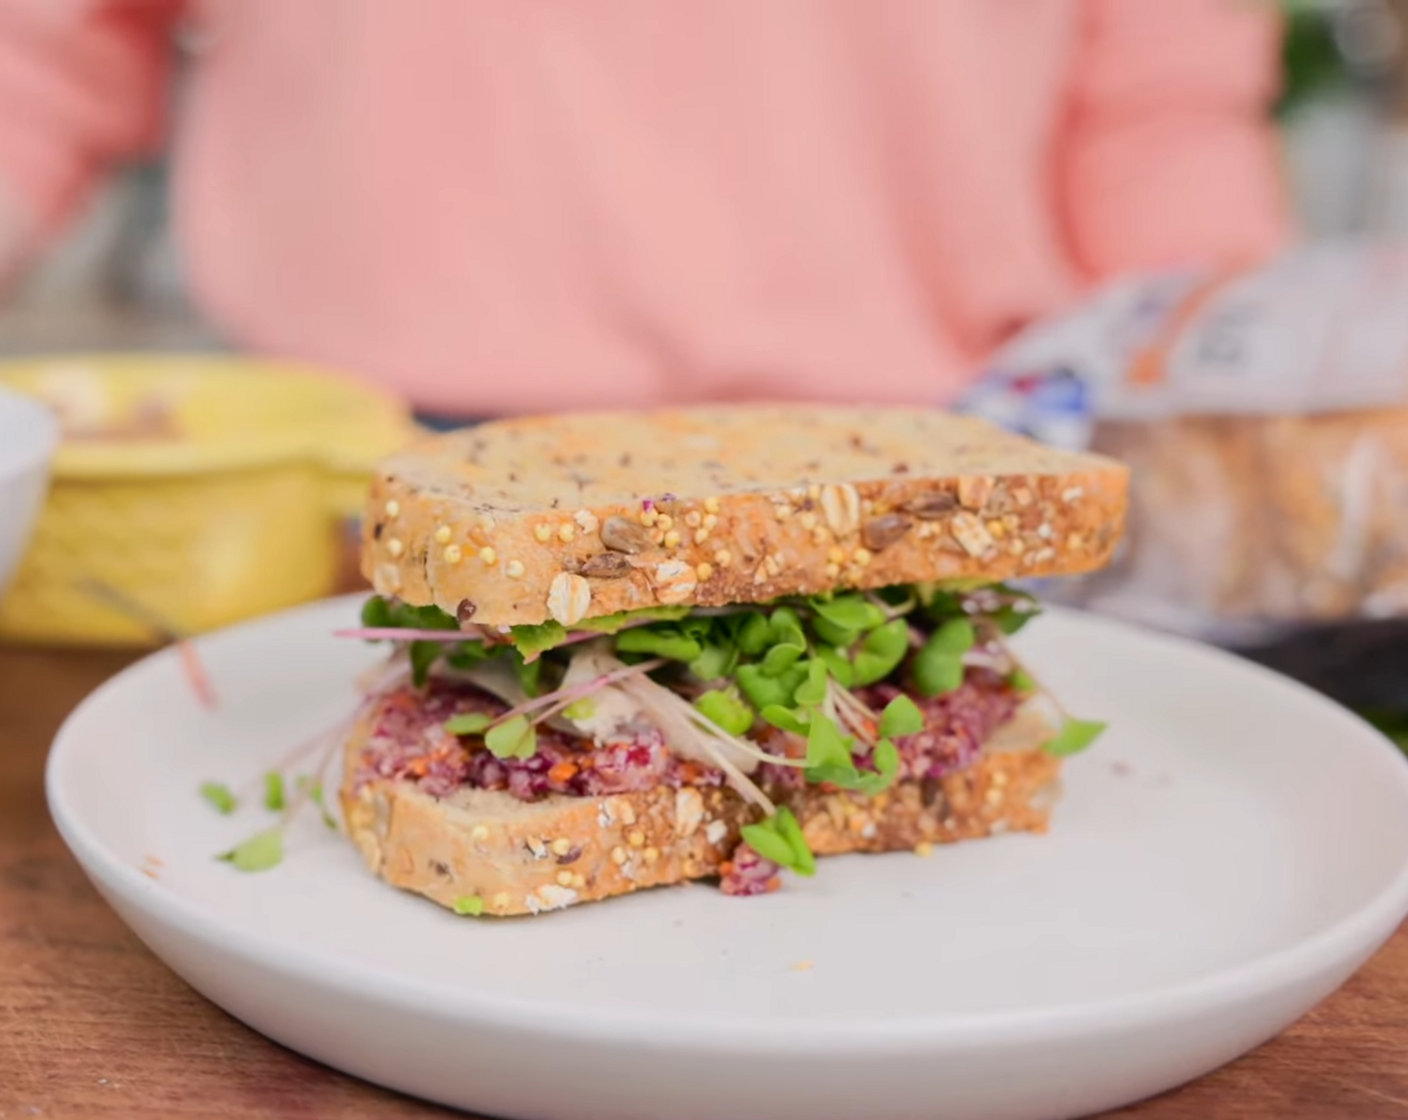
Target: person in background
[(495, 207)]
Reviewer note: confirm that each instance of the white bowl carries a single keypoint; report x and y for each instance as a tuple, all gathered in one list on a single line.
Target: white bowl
[(29, 434)]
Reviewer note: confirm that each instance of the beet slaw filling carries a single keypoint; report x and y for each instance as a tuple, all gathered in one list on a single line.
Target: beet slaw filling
[(408, 741)]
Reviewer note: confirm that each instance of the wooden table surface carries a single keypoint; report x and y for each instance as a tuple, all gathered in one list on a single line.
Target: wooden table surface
[(92, 1025)]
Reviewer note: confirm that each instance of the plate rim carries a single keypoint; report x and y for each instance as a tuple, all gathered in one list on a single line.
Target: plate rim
[(1352, 937)]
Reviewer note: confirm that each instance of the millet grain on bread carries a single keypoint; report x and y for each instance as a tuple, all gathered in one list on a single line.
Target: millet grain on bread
[(521, 521)]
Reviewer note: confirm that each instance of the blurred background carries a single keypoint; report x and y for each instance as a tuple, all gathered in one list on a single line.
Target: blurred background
[(114, 279), (1301, 514)]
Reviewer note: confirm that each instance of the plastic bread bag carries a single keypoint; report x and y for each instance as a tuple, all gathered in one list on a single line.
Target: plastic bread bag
[(1265, 418)]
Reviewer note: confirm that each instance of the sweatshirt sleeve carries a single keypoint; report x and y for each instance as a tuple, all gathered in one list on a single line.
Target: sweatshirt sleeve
[(1170, 155), (82, 84)]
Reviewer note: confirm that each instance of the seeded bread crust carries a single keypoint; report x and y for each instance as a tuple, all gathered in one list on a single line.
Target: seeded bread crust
[(525, 858), (577, 516)]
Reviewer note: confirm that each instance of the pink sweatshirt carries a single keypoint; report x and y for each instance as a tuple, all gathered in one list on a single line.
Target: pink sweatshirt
[(499, 205)]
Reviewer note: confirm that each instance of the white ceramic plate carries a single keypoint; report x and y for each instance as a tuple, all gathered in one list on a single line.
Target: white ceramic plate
[(1223, 859)]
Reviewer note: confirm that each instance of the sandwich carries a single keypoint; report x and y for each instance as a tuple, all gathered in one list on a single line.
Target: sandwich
[(629, 650)]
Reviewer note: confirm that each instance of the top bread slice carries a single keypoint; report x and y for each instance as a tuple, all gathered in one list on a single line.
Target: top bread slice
[(575, 516)]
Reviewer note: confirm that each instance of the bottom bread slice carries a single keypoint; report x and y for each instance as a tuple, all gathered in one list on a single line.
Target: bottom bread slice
[(520, 857)]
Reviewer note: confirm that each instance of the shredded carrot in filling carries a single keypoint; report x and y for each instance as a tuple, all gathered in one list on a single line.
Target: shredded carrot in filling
[(691, 773), (563, 771), (419, 767)]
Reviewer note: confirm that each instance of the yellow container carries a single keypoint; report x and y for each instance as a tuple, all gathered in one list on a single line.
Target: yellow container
[(190, 490)]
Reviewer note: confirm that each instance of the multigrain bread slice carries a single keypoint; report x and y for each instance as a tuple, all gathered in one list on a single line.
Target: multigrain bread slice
[(521, 521), (519, 857)]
